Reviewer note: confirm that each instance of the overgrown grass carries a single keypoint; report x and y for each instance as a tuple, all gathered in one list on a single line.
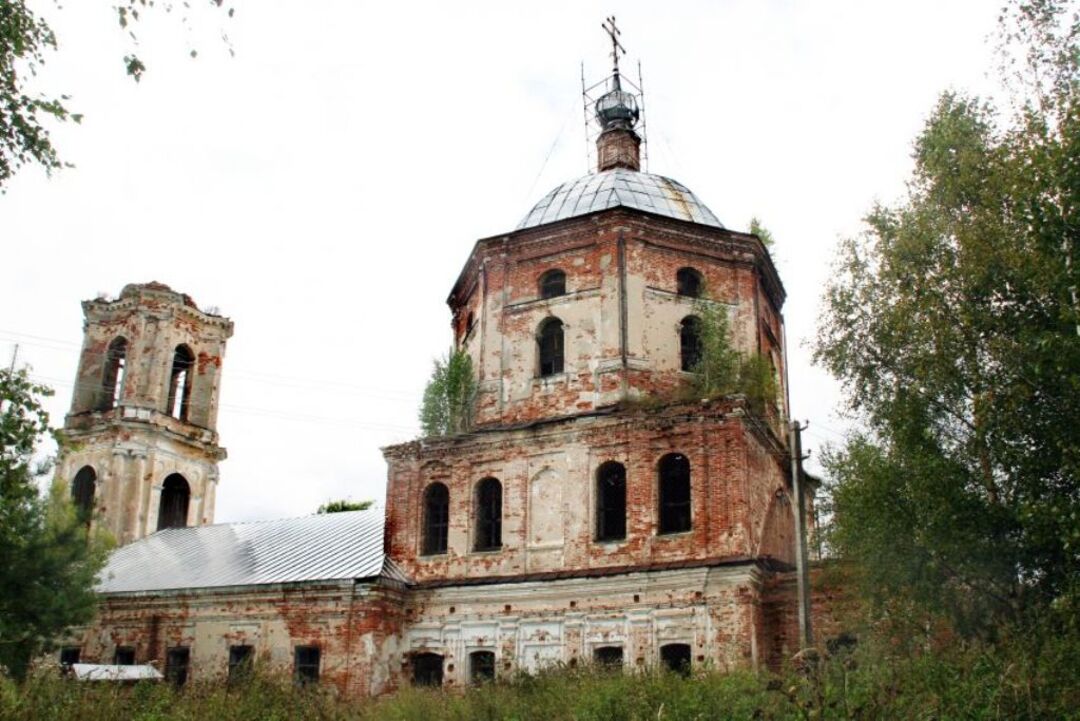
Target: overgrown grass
[(960, 682)]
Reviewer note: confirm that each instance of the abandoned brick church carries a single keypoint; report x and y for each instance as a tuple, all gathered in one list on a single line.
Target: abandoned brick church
[(574, 523)]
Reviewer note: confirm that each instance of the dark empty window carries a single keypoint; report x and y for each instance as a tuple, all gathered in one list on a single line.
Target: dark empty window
[(481, 666), (608, 656), (427, 669), (676, 657), (611, 502), (688, 282), (241, 662), (69, 655), (552, 284), (674, 493), (306, 664), (550, 340), (690, 342), (173, 509), (82, 492), (180, 379), (124, 656), (488, 515), (177, 661), (436, 519), (112, 386)]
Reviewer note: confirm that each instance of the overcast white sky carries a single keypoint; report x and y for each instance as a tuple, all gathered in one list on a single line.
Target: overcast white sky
[(324, 186)]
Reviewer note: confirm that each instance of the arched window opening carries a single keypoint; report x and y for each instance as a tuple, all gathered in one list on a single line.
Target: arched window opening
[(674, 493), (688, 282), (481, 666), (83, 488), (552, 284), (173, 509), (608, 657), (611, 502), (676, 657), (112, 386), (550, 340), (690, 343), (180, 382), (436, 519), (427, 669), (488, 515)]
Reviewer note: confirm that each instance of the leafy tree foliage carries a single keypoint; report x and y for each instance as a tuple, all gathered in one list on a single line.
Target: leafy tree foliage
[(722, 370), (47, 563), (450, 396), (954, 325), (25, 39), (758, 229), (342, 505)]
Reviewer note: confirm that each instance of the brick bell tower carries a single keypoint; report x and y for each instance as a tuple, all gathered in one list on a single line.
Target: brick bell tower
[(143, 449)]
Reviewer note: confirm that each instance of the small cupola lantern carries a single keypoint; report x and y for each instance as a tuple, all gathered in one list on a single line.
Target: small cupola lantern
[(618, 146)]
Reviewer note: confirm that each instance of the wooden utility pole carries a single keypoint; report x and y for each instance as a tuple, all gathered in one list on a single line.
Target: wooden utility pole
[(802, 556)]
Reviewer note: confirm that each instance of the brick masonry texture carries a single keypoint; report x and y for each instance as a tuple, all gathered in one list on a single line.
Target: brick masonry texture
[(551, 592)]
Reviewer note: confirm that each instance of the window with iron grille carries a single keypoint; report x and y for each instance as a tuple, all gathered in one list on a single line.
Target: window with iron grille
[(549, 338), (436, 519), (611, 502), (674, 472), (552, 284), (306, 664), (488, 515), (177, 661)]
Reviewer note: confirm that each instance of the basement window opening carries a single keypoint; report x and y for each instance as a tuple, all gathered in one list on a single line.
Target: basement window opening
[(177, 662), (70, 655), (241, 662), (608, 657), (427, 669), (611, 502), (306, 665), (124, 656), (674, 472), (481, 666), (676, 657)]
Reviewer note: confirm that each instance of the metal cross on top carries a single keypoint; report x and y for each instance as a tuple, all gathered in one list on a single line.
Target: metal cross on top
[(616, 46)]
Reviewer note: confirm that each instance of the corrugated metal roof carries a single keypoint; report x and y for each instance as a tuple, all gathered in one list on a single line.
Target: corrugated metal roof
[(334, 546), (620, 187)]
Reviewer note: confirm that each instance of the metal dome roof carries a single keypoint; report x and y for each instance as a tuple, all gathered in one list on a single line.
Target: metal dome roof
[(620, 187)]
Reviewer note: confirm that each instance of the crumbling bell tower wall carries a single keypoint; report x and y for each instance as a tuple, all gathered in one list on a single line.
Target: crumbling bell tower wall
[(142, 449)]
